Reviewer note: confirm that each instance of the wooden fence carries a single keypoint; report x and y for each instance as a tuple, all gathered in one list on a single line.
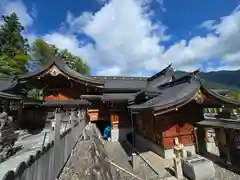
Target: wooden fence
[(48, 163)]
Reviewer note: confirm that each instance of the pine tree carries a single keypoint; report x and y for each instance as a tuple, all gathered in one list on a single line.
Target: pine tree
[(41, 50), (13, 47)]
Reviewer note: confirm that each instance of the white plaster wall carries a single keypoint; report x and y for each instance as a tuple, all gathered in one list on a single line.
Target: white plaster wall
[(114, 135), (145, 144), (191, 149), (169, 153), (119, 134)]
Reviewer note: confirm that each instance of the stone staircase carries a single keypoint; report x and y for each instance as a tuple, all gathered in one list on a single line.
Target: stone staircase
[(120, 154)]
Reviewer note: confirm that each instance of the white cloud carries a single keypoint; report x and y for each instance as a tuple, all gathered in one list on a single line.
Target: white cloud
[(9, 6), (69, 42), (208, 24), (123, 34), (223, 44), (126, 42), (162, 6), (31, 37)]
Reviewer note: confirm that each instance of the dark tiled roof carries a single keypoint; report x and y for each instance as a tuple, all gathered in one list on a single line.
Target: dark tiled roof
[(164, 76), (117, 96), (137, 83), (151, 90), (10, 96), (125, 84), (59, 63), (106, 78), (91, 97), (228, 124), (172, 95), (32, 102), (221, 91), (7, 83), (59, 103), (181, 91)]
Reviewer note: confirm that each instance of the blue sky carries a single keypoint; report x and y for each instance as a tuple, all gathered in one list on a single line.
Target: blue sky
[(137, 37)]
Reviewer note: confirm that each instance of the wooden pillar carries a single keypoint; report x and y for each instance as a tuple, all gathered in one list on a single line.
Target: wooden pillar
[(19, 115), (72, 118), (114, 117), (6, 104), (228, 145), (58, 119), (114, 129), (201, 140)]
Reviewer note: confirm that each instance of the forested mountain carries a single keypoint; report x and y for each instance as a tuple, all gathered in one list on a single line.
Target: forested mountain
[(219, 79)]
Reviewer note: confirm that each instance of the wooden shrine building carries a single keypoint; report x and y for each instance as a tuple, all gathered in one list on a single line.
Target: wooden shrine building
[(159, 108), (171, 110)]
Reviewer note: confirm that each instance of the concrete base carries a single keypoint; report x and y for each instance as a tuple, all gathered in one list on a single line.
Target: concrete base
[(145, 144), (198, 168), (178, 168), (135, 161), (120, 134)]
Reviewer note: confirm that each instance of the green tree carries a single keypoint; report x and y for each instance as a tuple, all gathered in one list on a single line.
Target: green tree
[(41, 50), (11, 40), (13, 47), (234, 95), (33, 93), (74, 62)]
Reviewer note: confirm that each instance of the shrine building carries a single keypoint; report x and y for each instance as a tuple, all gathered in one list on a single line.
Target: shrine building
[(157, 109)]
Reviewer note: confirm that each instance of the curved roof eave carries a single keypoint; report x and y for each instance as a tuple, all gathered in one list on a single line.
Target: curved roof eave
[(56, 61), (172, 97), (160, 73), (223, 99), (174, 106), (167, 107), (7, 83), (10, 96)]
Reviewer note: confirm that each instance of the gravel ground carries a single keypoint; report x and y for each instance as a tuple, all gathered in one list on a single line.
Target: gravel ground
[(224, 174), (77, 168)]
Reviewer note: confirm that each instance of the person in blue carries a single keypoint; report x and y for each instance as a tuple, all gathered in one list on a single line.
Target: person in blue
[(107, 132)]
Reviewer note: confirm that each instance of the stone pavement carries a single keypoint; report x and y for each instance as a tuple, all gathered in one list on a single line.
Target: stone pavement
[(157, 162), (225, 174)]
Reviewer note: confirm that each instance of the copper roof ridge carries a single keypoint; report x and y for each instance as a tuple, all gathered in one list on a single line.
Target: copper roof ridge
[(186, 78), (162, 72)]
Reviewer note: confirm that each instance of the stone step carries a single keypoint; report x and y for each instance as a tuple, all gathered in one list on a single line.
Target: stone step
[(24, 136)]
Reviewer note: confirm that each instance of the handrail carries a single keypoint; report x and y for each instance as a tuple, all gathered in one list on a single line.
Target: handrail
[(124, 170), (143, 158)]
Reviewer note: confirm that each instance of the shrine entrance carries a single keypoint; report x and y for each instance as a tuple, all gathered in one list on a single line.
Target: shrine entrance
[(102, 121), (102, 125)]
